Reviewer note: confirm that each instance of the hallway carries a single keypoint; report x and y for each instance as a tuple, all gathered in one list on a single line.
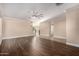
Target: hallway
[(40, 29)]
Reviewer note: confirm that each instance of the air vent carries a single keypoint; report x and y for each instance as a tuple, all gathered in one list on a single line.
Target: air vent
[(58, 4)]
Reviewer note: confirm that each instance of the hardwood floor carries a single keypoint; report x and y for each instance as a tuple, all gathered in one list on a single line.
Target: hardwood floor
[(27, 46)]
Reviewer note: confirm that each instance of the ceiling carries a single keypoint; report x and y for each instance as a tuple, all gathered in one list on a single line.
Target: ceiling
[(24, 10)]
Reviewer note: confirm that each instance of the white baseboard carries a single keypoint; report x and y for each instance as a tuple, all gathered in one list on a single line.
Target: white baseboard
[(59, 37), (76, 45), (47, 36), (16, 37), (44, 36)]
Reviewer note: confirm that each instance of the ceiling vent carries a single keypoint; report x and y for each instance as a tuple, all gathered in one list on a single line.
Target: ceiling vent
[(58, 4)]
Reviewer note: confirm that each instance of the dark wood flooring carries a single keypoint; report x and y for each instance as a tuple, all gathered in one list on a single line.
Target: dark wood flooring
[(27, 46)]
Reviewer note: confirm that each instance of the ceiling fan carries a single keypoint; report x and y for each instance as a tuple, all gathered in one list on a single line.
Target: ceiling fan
[(36, 14)]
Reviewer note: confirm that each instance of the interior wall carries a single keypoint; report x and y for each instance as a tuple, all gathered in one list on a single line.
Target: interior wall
[(16, 28), (0, 30), (60, 28), (0, 27), (44, 29), (72, 26)]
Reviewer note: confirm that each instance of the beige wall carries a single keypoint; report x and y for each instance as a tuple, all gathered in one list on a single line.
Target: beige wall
[(0, 30), (0, 27), (60, 28), (72, 26), (15, 27), (44, 29)]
